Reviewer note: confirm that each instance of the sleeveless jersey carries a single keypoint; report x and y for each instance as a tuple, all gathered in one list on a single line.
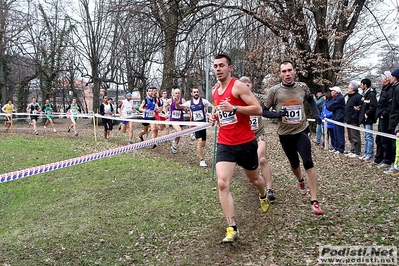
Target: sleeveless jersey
[(162, 115), (197, 111), (235, 128), (149, 111), (8, 108), (126, 108), (174, 113), (48, 108), (34, 108)]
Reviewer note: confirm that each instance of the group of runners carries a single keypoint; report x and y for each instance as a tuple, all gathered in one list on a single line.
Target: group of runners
[(241, 137), (34, 110)]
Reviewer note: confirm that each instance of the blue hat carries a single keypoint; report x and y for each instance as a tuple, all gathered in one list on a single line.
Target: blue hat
[(128, 94), (395, 73)]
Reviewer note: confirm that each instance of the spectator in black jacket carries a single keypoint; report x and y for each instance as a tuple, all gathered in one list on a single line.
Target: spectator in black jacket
[(337, 107), (384, 155), (394, 114), (352, 110), (367, 118)]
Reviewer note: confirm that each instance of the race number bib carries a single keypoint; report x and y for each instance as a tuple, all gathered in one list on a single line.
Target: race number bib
[(198, 115), (129, 113), (34, 112), (294, 114), (253, 121), (227, 118), (176, 114), (74, 111), (149, 114)]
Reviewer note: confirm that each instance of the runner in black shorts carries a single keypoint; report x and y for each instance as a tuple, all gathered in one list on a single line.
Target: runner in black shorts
[(288, 98)]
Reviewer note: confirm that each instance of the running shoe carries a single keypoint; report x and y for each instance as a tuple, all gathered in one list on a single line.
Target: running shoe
[(174, 149), (192, 136), (141, 138), (55, 130), (76, 134), (203, 163), (264, 203), (353, 155), (69, 129), (154, 146), (36, 133), (383, 166), (270, 195), (231, 235), (368, 159), (316, 209), (45, 128), (373, 163), (30, 123), (391, 171), (302, 188), (120, 127), (129, 142)]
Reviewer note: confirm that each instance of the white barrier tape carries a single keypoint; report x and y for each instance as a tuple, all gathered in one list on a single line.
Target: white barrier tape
[(142, 120), (91, 157), (363, 129)]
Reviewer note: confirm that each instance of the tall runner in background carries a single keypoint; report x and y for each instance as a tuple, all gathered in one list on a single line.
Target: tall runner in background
[(126, 110), (8, 109), (175, 114), (163, 115), (48, 109), (257, 125), (73, 110), (149, 107), (34, 109), (199, 108)]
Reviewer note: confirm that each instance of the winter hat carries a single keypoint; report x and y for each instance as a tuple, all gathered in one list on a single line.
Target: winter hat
[(395, 73), (386, 75), (128, 94), (353, 85), (337, 89)]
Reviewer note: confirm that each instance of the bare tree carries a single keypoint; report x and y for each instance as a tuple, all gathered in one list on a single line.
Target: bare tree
[(314, 33)]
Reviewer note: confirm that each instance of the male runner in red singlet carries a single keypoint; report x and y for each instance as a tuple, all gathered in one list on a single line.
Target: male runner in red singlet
[(237, 144)]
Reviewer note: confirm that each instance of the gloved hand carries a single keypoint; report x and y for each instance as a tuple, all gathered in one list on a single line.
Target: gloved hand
[(271, 114)]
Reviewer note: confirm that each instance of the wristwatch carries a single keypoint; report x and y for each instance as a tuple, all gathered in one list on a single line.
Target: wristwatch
[(235, 107)]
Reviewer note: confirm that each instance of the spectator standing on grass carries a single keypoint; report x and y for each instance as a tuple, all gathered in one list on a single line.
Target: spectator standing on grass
[(107, 109), (394, 119), (34, 109), (73, 110), (367, 118), (258, 127), (352, 111), (234, 104), (8, 109), (198, 107), (293, 128), (384, 152), (319, 99), (48, 109), (325, 113), (337, 107)]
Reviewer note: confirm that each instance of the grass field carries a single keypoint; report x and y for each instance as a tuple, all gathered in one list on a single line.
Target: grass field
[(149, 207)]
